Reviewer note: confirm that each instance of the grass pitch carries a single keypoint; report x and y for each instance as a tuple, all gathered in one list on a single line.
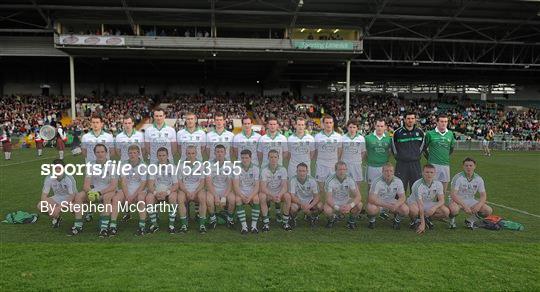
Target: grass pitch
[(38, 257)]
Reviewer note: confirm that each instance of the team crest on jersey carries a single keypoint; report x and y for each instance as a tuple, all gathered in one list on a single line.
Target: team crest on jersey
[(197, 138), (166, 135), (417, 134)]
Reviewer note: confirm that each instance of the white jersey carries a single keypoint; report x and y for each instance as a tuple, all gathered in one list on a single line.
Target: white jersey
[(267, 143), (353, 148), (103, 175), (327, 148), (340, 190), (387, 191), (136, 176), (466, 189), (305, 191), (242, 142), (274, 179), (420, 191), (165, 177), (220, 180), (224, 138), (190, 174), (89, 141), (63, 188), (196, 138), (159, 137), (248, 178), (123, 141), (300, 148)]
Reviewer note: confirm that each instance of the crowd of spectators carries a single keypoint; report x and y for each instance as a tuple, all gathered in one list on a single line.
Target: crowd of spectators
[(470, 120)]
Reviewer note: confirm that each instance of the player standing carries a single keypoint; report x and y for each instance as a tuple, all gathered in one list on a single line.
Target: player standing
[(129, 136), (440, 144), (5, 138), (61, 139), (219, 136), (94, 136), (488, 137), (407, 146), (354, 151), (160, 135), (191, 135), (328, 149), (246, 140), (378, 151), (273, 140), (301, 147), (39, 141)]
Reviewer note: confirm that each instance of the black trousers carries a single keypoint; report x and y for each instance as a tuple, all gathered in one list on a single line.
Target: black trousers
[(408, 172)]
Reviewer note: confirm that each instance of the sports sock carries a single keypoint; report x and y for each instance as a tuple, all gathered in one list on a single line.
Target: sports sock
[(172, 217), (229, 216), (397, 218), (78, 223), (142, 223), (255, 211), (278, 211), (452, 219), (104, 222), (39, 152), (183, 220), (372, 218), (266, 220), (241, 215), (351, 219), (285, 218), (61, 154), (213, 217), (153, 216), (113, 224), (202, 221)]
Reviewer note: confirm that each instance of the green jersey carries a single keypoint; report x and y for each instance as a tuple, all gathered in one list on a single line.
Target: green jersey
[(377, 149), (439, 146)]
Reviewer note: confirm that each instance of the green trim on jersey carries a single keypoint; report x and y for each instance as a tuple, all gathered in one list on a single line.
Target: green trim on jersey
[(439, 146), (329, 135), (159, 129), (378, 149)]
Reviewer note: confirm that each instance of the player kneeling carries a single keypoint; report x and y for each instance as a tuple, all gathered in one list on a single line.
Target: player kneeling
[(342, 197), (133, 186), (64, 189), (219, 186), (426, 200), (305, 195), (274, 189), (162, 187), (387, 195), (191, 184), (465, 185), (99, 187), (246, 188)]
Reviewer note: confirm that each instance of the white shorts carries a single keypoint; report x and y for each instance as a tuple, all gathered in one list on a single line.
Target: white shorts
[(469, 202), (427, 205), (246, 193), (373, 173), (131, 190), (343, 203), (485, 143), (442, 173), (355, 171), (220, 193), (323, 172), (59, 199)]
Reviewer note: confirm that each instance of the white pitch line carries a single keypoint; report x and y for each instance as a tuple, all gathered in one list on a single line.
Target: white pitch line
[(23, 162), (514, 209)]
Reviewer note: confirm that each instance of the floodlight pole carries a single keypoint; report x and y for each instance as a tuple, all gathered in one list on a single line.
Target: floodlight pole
[(348, 91), (72, 86)]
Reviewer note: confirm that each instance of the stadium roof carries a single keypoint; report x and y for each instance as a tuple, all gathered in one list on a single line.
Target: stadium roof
[(404, 35)]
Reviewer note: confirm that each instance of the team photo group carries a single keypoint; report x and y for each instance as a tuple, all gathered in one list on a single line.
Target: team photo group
[(216, 177)]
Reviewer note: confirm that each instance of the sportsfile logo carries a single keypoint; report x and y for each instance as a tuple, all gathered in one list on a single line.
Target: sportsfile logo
[(119, 168)]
